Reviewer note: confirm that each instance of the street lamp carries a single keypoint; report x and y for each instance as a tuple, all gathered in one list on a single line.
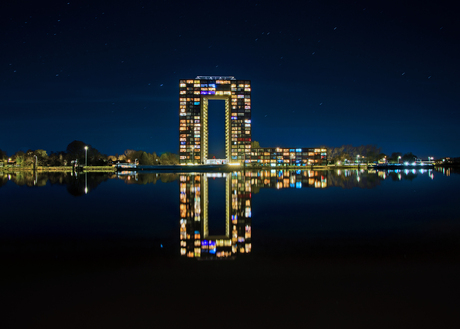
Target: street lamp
[(86, 156)]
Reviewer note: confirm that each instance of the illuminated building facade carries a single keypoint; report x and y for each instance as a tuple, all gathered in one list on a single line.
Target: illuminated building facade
[(193, 117), (289, 156), (195, 240)]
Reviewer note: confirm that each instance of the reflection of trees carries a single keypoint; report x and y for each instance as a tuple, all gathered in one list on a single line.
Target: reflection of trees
[(402, 175), (445, 170), (27, 178), (348, 179), (149, 178), (75, 183), (76, 187), (3, 179)]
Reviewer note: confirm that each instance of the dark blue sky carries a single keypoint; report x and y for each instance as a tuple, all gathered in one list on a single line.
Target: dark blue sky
[(323, 73)]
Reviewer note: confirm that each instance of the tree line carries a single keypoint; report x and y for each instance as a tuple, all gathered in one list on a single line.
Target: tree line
[(365, 153), (75, 151)]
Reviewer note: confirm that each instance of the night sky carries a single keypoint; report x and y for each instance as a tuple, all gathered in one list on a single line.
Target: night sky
[(323, 73)]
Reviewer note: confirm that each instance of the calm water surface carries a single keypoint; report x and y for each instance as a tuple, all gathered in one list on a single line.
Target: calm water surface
[(254, 248)]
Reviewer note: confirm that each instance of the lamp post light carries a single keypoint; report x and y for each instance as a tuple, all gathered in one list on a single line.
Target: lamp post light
[(86, 156)]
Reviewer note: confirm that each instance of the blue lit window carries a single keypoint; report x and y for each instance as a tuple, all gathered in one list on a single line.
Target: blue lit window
[(196, 103)]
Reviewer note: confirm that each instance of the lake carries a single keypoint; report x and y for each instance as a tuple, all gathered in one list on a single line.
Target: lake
[(240, 249)]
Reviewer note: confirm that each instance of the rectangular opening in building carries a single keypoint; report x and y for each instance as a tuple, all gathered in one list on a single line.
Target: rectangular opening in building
[(216, 129), (216, 206)]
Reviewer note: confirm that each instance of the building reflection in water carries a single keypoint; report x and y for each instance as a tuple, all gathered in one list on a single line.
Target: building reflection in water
[(194, 229), (195, 241)]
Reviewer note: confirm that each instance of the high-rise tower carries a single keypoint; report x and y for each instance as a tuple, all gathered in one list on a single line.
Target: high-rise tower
[(193, 117)]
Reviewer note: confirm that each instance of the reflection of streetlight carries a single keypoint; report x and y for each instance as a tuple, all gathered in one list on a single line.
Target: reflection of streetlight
[(86, 183), (86, 156)]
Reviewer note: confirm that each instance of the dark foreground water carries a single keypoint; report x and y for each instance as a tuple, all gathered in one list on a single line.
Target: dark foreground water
[(245, 249)]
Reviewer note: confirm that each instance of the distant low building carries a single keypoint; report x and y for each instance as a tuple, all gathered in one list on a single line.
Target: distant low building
[(288, 156)]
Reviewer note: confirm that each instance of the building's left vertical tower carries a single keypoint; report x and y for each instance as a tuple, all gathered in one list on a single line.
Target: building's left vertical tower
[(189, 122)]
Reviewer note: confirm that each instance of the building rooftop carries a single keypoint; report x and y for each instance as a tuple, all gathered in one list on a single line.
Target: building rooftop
[(208, 77)]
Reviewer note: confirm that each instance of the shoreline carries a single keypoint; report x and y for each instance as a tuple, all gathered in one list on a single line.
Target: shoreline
[(59, 169), (178, 168)]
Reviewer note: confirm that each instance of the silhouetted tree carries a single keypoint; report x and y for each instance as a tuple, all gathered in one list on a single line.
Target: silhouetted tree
[(169, 159), (369, 153), (3, 155), (409, 157), (76, 150), (395, 156)]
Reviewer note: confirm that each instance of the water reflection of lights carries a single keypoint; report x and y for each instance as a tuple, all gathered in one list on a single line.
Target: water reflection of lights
[(195, 240), (406, 172), (216, 175)]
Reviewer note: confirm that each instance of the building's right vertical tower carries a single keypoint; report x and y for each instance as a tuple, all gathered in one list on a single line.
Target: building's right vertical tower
[(240, 120)]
